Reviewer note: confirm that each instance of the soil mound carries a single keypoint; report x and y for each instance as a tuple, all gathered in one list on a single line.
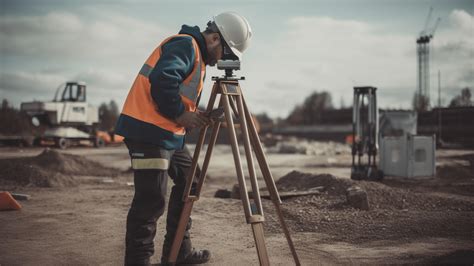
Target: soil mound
[(395, 212), (380, 195), (70, 164), (49, 169), (295, 180)]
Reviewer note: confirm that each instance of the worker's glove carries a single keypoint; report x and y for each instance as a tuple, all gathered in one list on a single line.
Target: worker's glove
[(216, 115), (192, 120)]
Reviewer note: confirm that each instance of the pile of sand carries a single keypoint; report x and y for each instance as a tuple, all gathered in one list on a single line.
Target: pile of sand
[(50, 169), (395, 212)]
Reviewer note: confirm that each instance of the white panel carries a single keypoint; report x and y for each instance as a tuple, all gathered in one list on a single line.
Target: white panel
[(393, 156), (408, 156), (424, 156)]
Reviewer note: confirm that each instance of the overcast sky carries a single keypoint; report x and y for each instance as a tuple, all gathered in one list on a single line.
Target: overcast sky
[(298, 47)]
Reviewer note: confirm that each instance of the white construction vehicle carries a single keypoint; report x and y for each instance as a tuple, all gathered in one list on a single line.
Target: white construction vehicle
[(69, 118)]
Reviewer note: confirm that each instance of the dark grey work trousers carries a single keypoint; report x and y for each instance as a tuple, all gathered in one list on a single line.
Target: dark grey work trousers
[(150, 197)]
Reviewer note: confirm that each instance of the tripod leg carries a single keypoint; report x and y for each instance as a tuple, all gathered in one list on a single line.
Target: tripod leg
[(188, 204), (269, 181), (248, 153), (235, 151), (178, 237), (262, 162), (257, 229), (257, 219), (187, 198), (207, 158), (232, 105), (197, 150)]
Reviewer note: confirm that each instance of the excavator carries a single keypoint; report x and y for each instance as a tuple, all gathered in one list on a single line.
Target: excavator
[(69, 119), (365, 130)]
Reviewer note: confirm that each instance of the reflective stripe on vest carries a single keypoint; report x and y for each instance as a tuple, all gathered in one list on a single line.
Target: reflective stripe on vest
[(187, 90), (146, 70)]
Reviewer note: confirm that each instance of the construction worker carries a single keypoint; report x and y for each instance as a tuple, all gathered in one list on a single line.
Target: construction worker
[(159, 108)]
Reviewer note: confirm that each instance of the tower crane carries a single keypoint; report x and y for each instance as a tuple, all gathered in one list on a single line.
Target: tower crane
[(422, 100)]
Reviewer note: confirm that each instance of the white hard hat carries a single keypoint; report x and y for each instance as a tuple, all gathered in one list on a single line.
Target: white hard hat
[(236, 31)]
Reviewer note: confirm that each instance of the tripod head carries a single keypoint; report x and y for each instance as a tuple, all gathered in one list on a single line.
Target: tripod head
[(228, 66)]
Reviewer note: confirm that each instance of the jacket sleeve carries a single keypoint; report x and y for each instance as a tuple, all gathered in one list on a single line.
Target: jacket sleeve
[(175, 64)]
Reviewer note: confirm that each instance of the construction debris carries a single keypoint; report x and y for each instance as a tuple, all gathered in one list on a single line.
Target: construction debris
[(18, 196), (225, 193), (354, 211), (294, 145), (357, 198), (297, 181), (291, 194), (235, 193)]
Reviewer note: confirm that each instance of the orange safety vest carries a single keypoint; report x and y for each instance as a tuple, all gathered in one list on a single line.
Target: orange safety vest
[(140, 104)]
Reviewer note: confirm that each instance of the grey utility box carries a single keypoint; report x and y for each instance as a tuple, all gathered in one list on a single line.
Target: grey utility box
[(408, 156)]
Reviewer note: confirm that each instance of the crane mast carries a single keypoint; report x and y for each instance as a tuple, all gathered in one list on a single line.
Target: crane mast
[(422, 98)]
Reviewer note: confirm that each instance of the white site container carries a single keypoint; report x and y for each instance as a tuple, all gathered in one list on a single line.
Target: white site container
[(408, 156)]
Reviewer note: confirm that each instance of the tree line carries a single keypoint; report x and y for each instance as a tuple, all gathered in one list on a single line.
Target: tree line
[(314, 107), (309, 112)]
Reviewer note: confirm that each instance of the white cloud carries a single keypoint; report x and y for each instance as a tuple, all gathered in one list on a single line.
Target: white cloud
[(102, 85), (463, 20), (324, 53), (20, 86), (453, 52), (57, 35), (29, 82), (309, 53), (105, 50)]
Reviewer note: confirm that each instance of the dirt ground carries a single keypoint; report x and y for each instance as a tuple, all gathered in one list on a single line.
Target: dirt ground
[(81, 221)]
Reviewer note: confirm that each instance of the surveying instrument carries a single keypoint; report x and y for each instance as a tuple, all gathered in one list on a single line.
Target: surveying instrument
[(231, 101)]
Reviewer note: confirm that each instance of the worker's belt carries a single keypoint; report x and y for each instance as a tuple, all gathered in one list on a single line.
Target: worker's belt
[(150, 163)]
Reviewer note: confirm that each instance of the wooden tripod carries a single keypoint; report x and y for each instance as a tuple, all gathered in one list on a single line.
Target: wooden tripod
[(231, 98)]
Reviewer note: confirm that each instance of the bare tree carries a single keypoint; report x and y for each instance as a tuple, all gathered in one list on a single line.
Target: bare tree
[(420, 103), (108, 115), (5, 104), (310, 111), (462, 100)]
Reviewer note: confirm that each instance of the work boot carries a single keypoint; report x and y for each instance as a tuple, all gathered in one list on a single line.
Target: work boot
[(194, 257)]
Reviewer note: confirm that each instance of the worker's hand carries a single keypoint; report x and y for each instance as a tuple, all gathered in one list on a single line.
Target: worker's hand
[(192, 120)]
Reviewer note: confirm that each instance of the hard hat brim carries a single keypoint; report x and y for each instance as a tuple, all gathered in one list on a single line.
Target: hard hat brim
[(236, 53)]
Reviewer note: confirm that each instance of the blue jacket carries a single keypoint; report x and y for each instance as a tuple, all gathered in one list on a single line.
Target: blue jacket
[(174, 65)]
